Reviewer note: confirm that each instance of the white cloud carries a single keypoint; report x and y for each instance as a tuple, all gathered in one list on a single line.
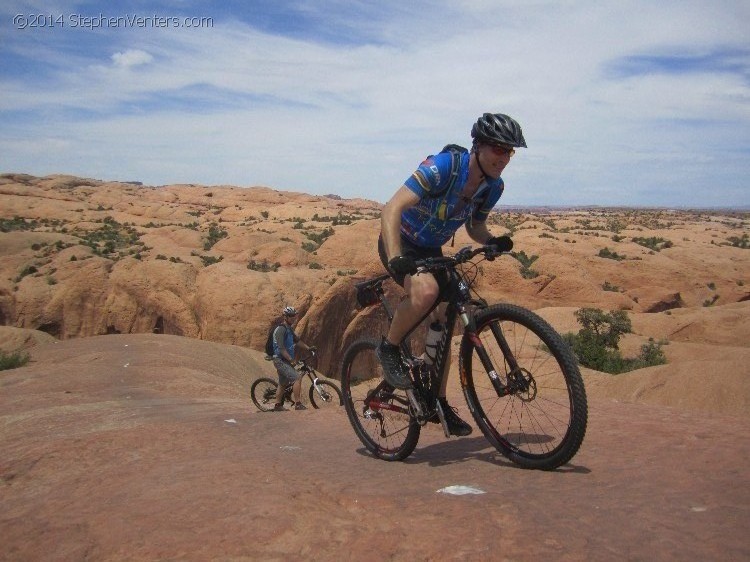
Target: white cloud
[(131, 57)]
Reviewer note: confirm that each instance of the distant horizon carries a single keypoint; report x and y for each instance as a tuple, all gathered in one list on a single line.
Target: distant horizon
[(499, 207)]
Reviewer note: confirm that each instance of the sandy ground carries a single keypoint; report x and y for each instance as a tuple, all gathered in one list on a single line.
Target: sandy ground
[(144, 447)]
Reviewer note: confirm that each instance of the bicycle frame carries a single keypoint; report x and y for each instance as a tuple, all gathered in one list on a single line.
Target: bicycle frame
[(519, 377), (460, 305), (306, 371)]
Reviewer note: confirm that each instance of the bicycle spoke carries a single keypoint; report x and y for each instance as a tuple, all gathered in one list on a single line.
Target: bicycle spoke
[(376, 410), (541, 421)]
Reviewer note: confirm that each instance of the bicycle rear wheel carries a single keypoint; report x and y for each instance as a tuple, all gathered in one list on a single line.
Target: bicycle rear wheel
[(327, 395), (263, 393), (541, 422), (378, 413)]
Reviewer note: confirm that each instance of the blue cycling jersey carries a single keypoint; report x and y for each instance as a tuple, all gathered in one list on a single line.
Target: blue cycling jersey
[(432, 221), (287, 338)]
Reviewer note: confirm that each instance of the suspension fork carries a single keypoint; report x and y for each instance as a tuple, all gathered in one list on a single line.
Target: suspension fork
[(470, 330), (315, 385)]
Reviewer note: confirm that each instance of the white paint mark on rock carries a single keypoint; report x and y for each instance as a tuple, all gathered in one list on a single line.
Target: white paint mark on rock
[(460, 491)]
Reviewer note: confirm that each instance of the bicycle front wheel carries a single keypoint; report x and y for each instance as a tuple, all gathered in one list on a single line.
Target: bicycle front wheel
[(539, 420), (325, 395), (263, 393), (378, 413)]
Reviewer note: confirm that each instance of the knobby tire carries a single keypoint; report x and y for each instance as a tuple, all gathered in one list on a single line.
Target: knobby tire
[(261, 396), (542, 422), (389, 435)]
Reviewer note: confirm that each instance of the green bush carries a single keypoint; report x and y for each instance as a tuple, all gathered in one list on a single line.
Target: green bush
[(596, 344), (210, 260), (653, 243), (13, 360), (526, 261), (215, 233), (607, 286), (738, 242), (264, 266), (609, 254)]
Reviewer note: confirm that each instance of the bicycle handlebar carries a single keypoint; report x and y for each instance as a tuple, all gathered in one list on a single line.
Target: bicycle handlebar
[(462, 256)]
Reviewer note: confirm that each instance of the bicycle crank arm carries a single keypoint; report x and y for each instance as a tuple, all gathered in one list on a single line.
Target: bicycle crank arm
[(441, 417), (418, 411)]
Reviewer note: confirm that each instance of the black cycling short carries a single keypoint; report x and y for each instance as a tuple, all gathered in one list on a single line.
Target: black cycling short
[(415, 252)]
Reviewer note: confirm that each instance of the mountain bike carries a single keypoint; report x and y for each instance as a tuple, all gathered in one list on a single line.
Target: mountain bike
[(322, 393), (520, 379)]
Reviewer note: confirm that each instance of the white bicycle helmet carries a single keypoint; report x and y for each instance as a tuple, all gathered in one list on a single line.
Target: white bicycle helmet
[(289, 311)]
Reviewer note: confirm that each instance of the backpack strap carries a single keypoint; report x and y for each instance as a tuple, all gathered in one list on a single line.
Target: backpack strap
[(456, 152)]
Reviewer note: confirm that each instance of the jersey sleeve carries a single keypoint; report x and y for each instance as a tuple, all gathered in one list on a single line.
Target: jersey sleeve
[(431, 176)]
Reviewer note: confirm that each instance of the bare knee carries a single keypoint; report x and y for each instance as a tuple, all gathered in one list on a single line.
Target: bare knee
[(423, 291)]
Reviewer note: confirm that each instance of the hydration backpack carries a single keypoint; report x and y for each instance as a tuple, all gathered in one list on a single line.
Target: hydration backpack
[(456, 152), (269, 340)]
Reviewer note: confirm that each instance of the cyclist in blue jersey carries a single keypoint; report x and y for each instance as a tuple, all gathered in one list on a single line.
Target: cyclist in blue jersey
[(422, 216), (285, 342)]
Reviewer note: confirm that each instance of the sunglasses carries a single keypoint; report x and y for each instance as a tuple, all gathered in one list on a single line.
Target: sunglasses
[(502, 150)]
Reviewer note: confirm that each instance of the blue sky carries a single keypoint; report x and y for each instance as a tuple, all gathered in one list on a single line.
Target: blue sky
[(622, 103)]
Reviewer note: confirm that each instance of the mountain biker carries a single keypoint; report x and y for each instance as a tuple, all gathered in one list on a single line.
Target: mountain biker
[(285, 342), (415, 224)]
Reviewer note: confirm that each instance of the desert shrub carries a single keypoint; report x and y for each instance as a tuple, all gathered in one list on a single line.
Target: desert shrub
[(615, 225), (13, 360), (738, 242), (28, 270), (264, 266), (319, 237), (215, 233), (17, 223), (609, 254), (654, 243), (210, 260), (596, 343), (315, 265), (607, 286), (526, 261), (110, 237)]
